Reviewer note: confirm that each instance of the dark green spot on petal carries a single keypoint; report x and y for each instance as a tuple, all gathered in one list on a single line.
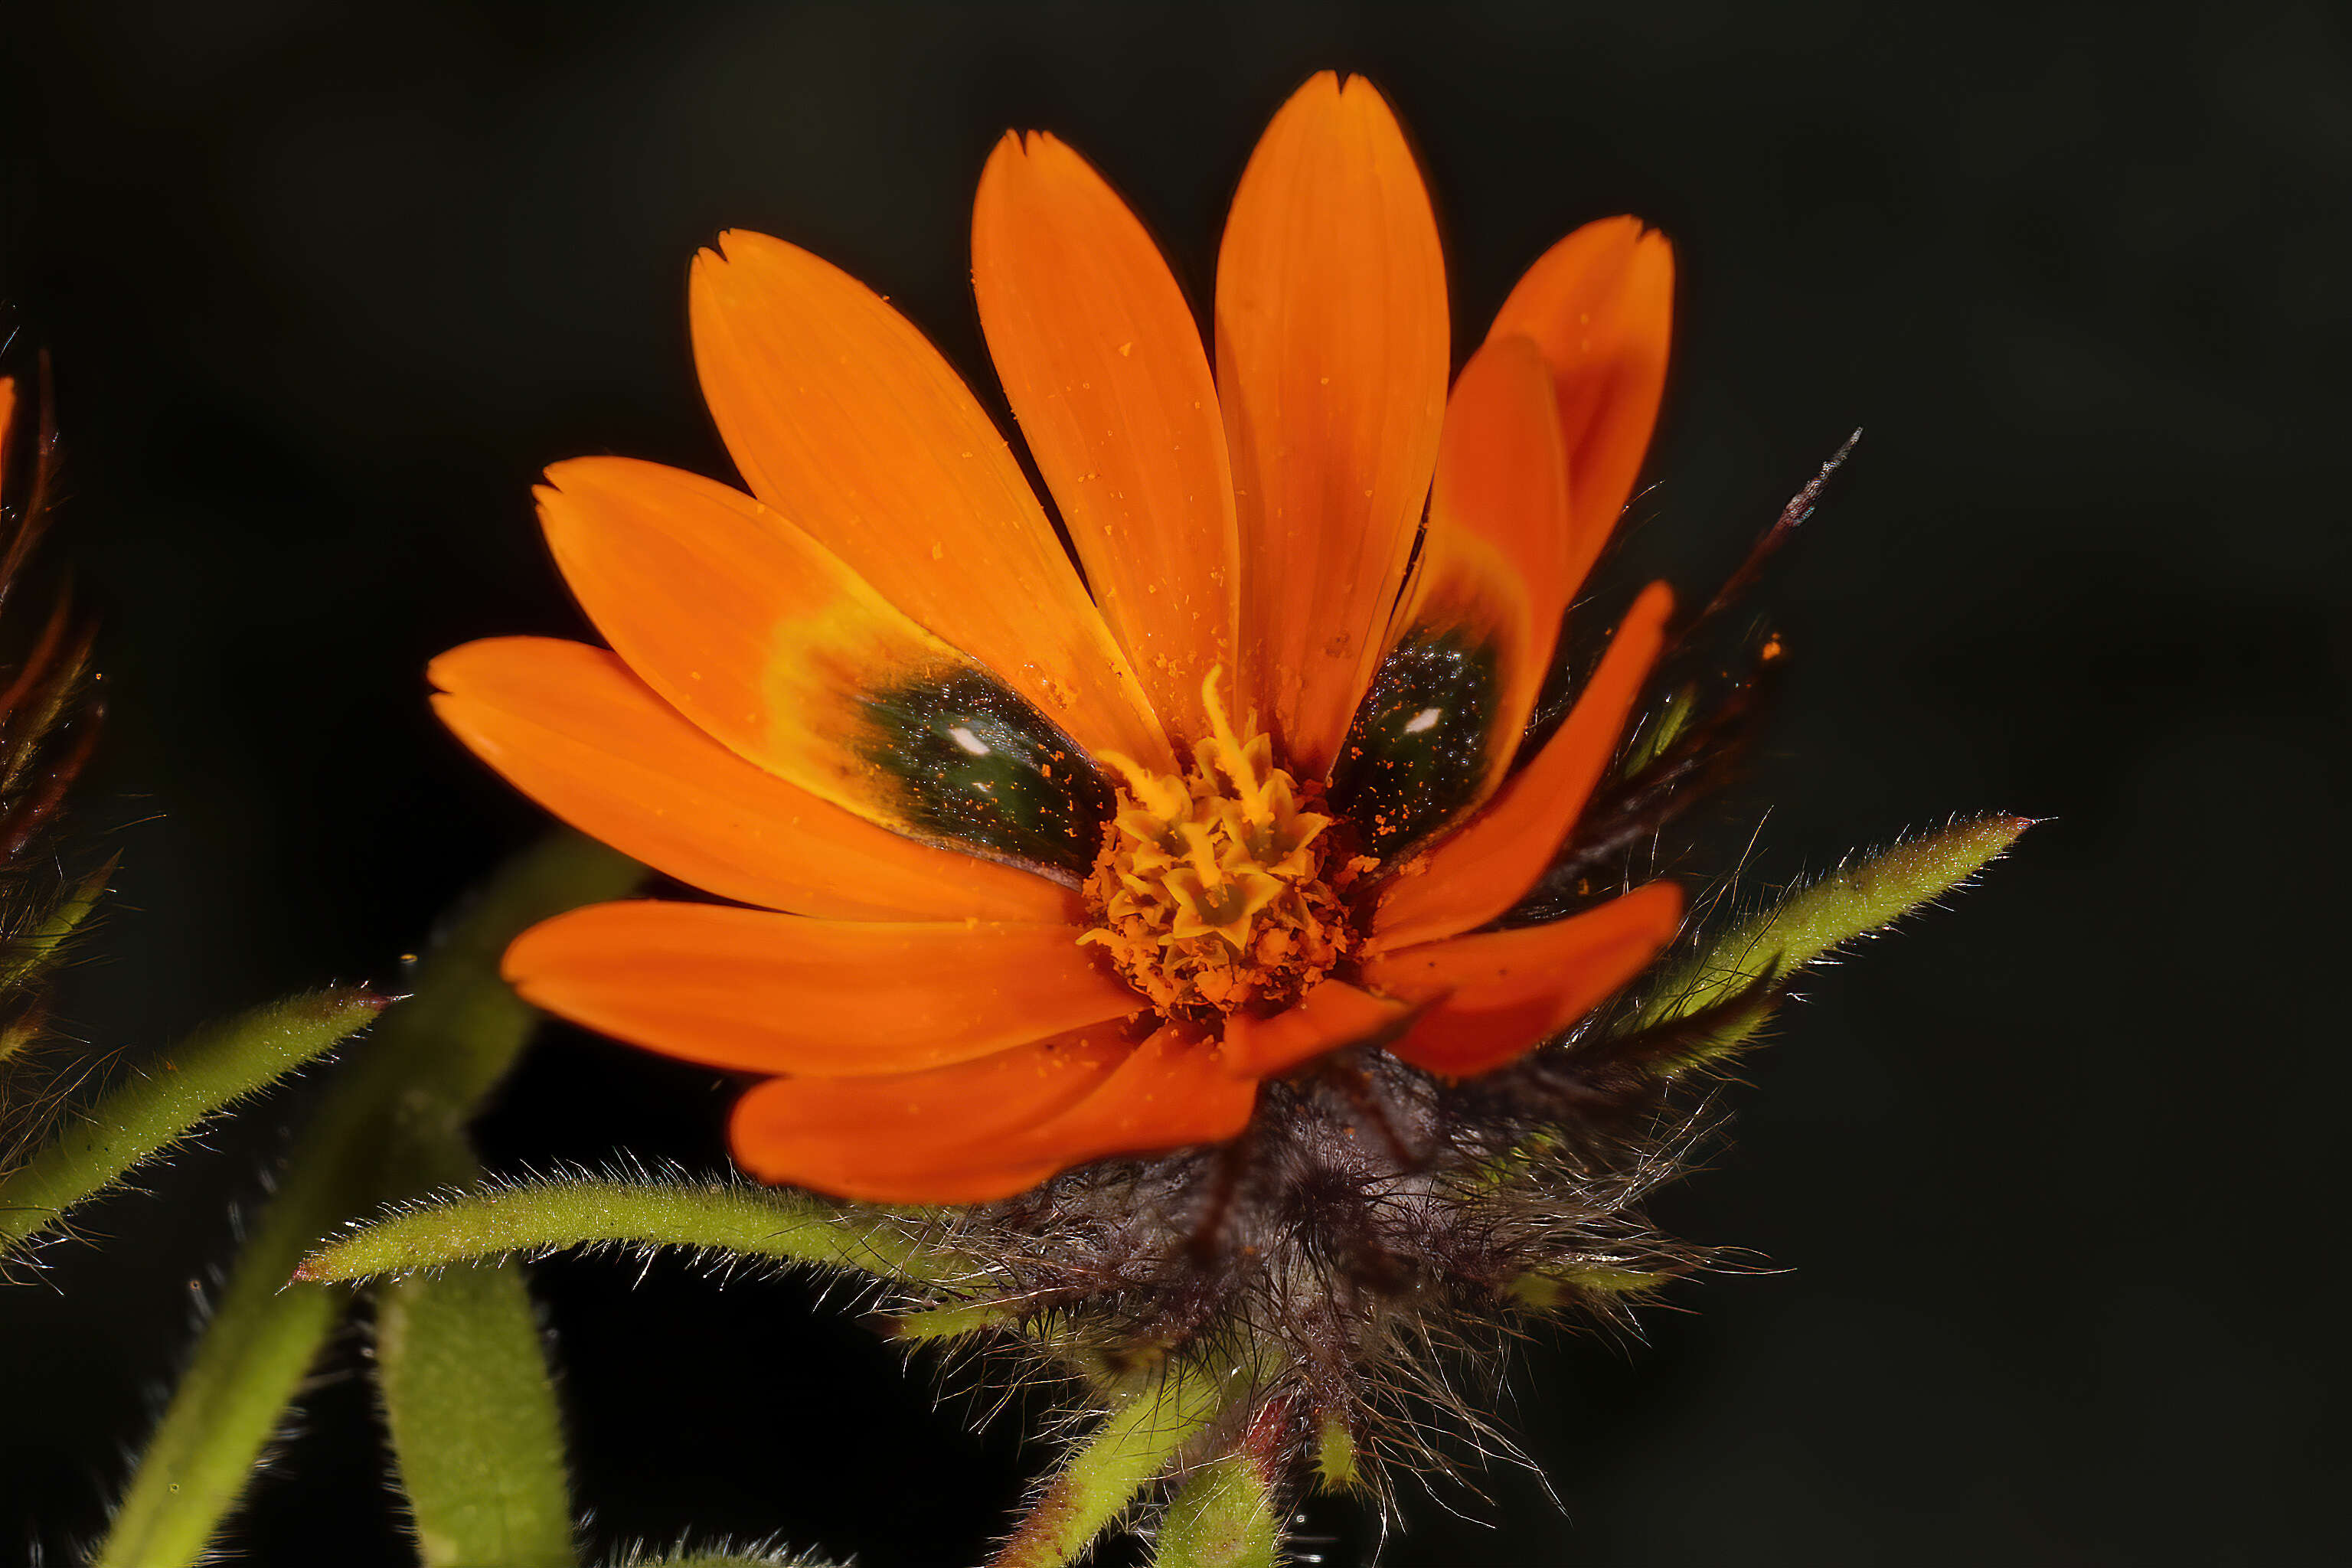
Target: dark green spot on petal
[(1420, 742), (978, 768)]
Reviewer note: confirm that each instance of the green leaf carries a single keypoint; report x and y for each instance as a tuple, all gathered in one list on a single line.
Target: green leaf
[(1137, 1441), (1335, 1455), (463, 1026), (1223, 1518), (475, 1433), (720, 1218), (1663, 729), (950, 1322), (477, 1438), (432, 1058), (27, 960), (1549, 1289), (1865, 895), (153, 1108)]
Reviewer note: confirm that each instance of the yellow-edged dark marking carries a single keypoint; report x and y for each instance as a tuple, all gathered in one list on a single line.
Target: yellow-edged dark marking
[(971, 764)]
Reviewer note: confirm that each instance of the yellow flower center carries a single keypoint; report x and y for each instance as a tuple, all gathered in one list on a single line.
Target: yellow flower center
[(1215, 891)]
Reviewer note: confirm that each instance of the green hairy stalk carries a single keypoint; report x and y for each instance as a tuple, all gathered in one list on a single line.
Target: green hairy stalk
[(392, 1125), (477, 1437), (27, 961), (715, 1218)]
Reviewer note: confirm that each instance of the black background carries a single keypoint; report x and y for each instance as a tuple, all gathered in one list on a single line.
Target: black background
[(2047, 1176)]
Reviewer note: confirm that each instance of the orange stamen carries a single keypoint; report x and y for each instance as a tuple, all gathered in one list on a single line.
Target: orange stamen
[(1211, 894)]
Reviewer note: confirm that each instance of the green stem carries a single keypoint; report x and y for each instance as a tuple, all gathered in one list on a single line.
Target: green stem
[(156, 1108), (539, 1217), (432, 1060), (1138, 1440), (251, 1358)]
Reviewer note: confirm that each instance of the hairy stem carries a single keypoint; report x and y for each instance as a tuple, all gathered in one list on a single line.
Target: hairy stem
[(711, 1217), (25, 961), (431, 1061)]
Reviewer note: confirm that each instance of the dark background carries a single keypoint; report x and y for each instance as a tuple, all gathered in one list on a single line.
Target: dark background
[(2047, 1177)]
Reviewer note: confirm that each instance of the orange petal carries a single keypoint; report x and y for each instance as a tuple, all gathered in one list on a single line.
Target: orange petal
[(842, 418), (1171, 1091), (772, 643), (571, 728), (1600, 303), (1488, 864), (773, 993), (1497, 552), (1474, 632), (1332, 1016), (1331, 365), (1491, 999), (7, 428), (1102, 361), (934, 1137)]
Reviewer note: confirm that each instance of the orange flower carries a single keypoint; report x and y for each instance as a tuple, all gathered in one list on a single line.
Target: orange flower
[(1048, 901)]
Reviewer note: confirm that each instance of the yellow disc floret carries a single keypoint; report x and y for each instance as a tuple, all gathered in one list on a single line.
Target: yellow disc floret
[(1211, 893)]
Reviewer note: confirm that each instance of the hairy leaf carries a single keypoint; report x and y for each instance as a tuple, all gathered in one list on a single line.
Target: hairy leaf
[(1224, 1517), (1136, 1442), (1865, 895), (26, 959), (155, 1108), (475, 1433)]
